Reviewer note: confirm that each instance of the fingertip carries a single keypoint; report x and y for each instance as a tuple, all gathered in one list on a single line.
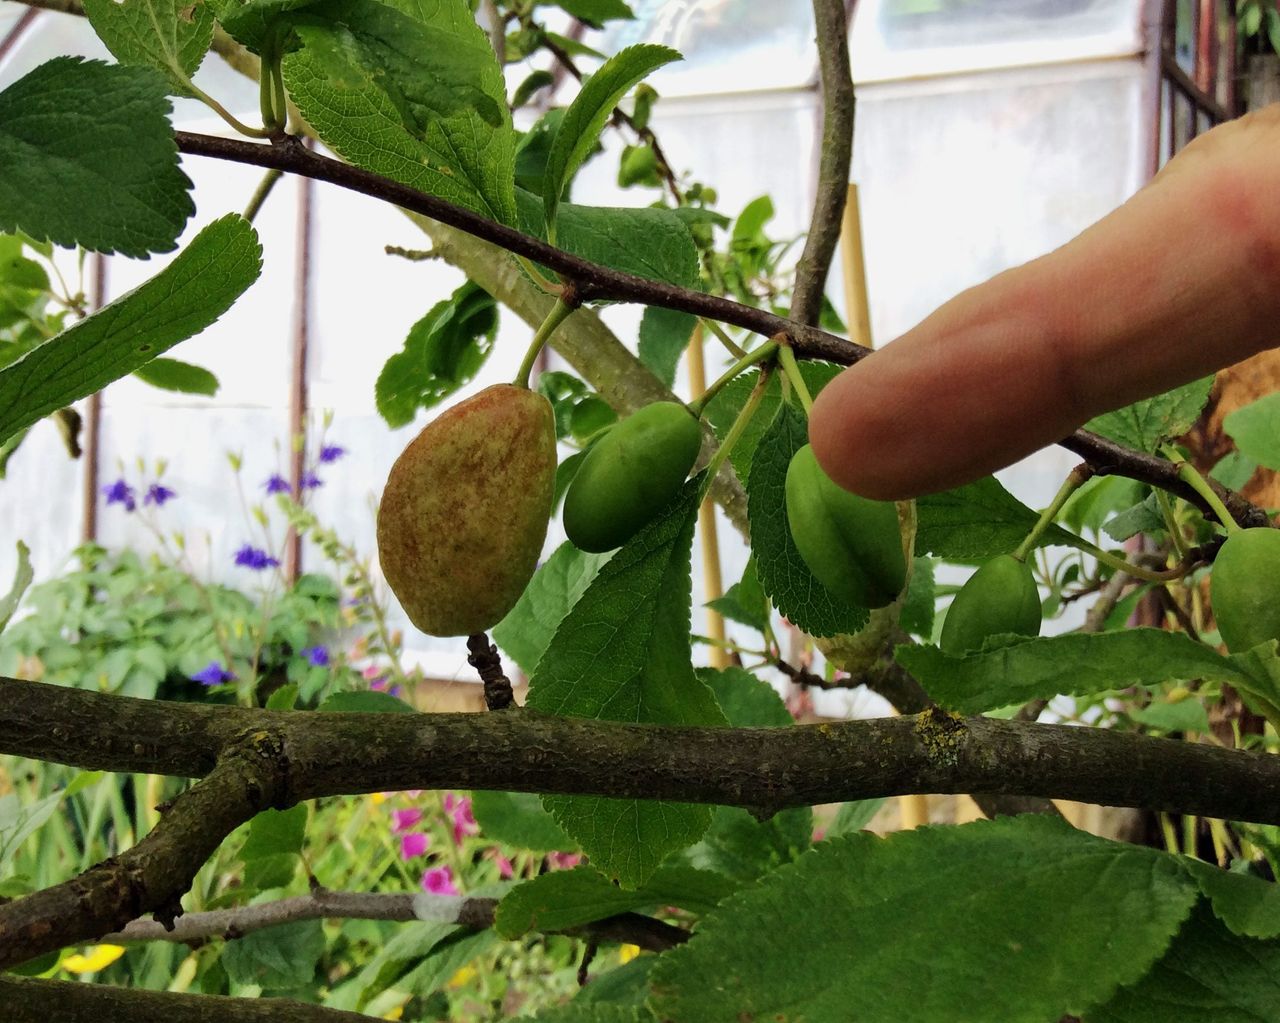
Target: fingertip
[(839, 433)]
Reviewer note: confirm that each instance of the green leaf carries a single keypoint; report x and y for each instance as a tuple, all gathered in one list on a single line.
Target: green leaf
[(664, 336), (19, 822), (783, 573), (414, 94), (90, 160), (1141, 518), (744, 602), (270, 852), (22, 576), (1208, 975), (854, 816), (1247, 905), (535, 81), (444, 350), (175, 375), (1001, 922), (1186, 715), (554, 589), (278, 958), (596, 12), (447, 957), (1256, 430), (976, 522), (579, 1011), (738, 845), (1146, 424), (588, 112), (1076, 664), (1234, 470), (649, 242), (367, 702), (625, 985), (17, 271), (918, 609), (570, 898), (623, 654), (251, 21), (723, 409), (190, 293), (518, 819), (171, 36)]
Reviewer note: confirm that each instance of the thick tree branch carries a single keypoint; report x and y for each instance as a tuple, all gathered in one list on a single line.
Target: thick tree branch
[(760, 768), (60, 1001), (476, 914), (249, 776), (833, 161)]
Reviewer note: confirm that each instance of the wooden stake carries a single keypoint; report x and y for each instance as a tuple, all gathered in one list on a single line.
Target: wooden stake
[(712, 582)]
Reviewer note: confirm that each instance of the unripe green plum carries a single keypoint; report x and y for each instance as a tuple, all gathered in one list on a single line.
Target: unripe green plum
[(1000, 597), (851, 544), (630, 475), (465, 510), (1245, 588)]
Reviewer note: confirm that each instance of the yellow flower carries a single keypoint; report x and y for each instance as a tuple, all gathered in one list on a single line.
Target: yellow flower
[(628, 952), (395, 1013), (462, 977), (378, 798), (98, 957)]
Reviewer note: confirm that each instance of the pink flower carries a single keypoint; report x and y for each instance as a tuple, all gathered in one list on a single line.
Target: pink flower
[(414, 844), (464, 823), (563, 860), (439, 881), (819, 834), (403, 820), (505, 868)]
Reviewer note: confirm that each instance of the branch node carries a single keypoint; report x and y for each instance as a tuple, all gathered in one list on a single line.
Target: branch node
[(484, 658)]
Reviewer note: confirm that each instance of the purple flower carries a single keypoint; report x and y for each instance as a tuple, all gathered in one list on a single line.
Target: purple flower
[(276, 484), (255, 558), (403, 820), (439, 881), (317, 656), (310, 481), (158, 494), (331, 453), (213, 675), (459, 809), (414, 844), (120, 492)]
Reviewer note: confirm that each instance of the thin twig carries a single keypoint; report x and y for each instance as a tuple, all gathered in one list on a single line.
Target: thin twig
[(260, 194), (833, 163), (484, 658)]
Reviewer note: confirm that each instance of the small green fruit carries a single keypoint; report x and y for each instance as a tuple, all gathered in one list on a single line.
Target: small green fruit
[(1245, 588), (1000, 597), (851, 544), (629, 475), (465, 510)]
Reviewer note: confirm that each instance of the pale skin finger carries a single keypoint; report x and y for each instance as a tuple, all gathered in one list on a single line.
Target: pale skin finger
[(1181, 280)]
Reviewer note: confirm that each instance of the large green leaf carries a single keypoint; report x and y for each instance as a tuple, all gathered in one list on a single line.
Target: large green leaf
[(783, 574), (89, 158), (1076, 664), (252, 22), (277, 959), (570, 898), (414, 94), (181, 300), (1208, 975), (623, 654), (975, 522), (1147, 423), (586, 115), (171, 36), (443, 351), (595, 12), (1256, 430), (1017, 920), (1247, 905), (563, 578)]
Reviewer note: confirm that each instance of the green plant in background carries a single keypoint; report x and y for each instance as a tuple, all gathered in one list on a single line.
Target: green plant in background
[(636, 842)]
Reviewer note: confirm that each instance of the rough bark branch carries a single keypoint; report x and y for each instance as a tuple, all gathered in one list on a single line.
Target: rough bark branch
[(60, 1001), (833, 162), (759, 768), (249, 776)]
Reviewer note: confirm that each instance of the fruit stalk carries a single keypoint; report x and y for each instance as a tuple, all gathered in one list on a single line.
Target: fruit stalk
[(737, 429), (698, 405), (558, 314)]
